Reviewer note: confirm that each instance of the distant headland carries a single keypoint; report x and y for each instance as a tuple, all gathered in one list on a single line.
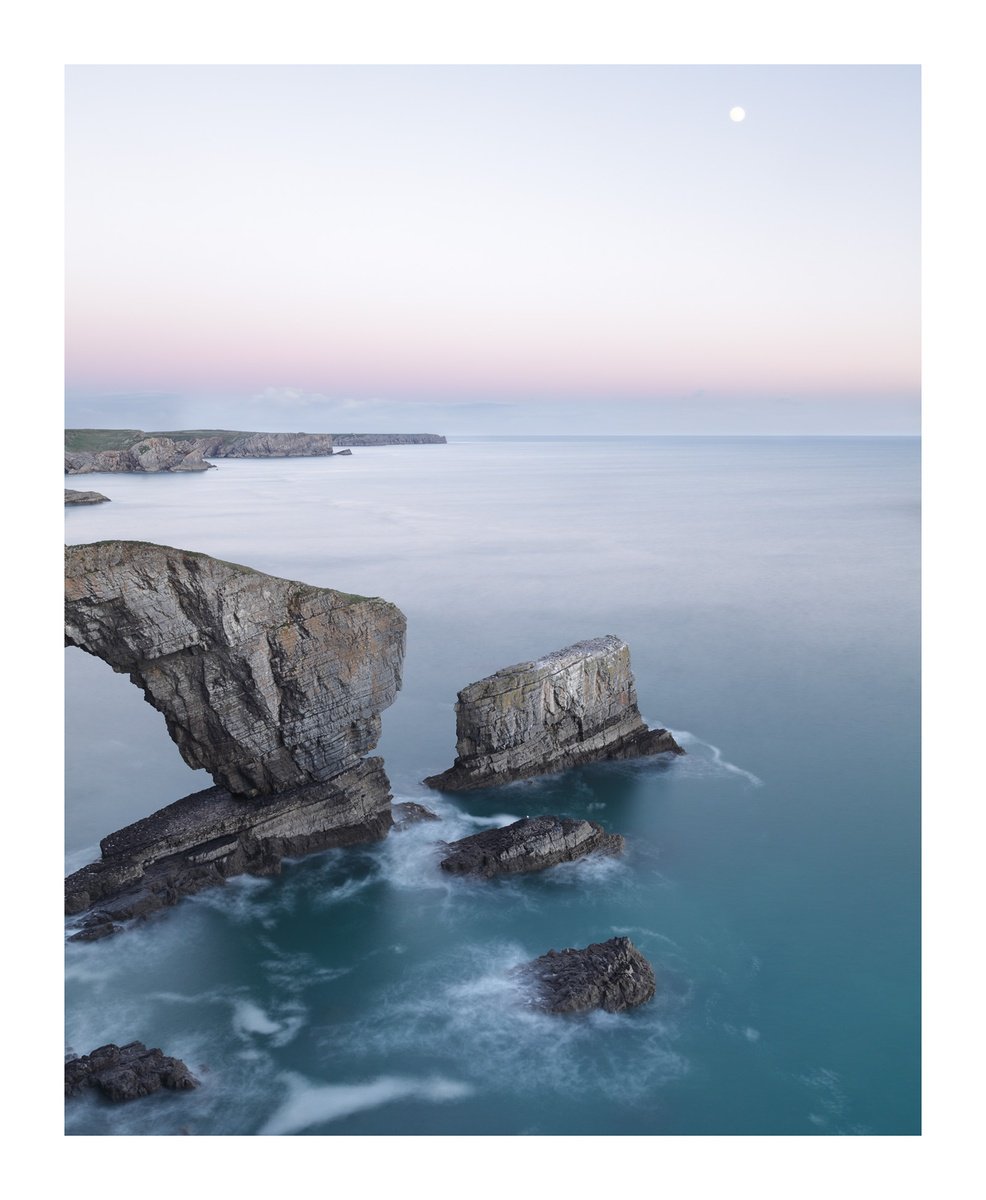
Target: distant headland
[(88, 450)]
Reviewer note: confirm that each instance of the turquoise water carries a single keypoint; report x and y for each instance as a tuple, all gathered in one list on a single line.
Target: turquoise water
[(769, 592)]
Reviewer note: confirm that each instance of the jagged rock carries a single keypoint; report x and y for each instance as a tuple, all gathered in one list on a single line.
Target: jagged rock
[(204, 839), (529, 845), (611, 975), (409, 813), (267, 683), (149, 454), (126, 1072), (74, 497), (339, 452), (574, 706)]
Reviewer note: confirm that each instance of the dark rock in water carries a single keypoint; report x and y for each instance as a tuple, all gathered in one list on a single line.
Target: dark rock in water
[(409, 813), (340, 452), (204, 839), (529, 845), (74, 497), (126, 1072), (267, 683), (574, 706), (611, 975)]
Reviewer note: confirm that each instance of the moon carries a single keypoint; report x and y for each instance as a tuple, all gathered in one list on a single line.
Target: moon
[(737, 113)]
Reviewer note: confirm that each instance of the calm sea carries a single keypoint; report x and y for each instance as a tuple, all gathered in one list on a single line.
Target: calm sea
[(768, 588)]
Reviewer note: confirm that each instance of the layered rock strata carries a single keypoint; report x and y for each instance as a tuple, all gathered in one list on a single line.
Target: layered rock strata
[(574, 706), (74, 497), (529, 845), (267, 445), (126, 1072), (267, 683), (201, 841), (149, 454), (611, 975)]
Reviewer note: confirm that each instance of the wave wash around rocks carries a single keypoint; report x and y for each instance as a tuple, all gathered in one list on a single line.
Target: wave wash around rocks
[(574, 706), (274, 687)]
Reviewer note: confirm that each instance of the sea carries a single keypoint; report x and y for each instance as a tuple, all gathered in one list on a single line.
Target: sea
[(769, 591)]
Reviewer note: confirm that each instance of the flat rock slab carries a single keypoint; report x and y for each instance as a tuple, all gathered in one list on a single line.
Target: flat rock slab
[(203, 840), (529, 845), (409, 813), (127, 1072), (574, 706), (611, 975), (75, 497)]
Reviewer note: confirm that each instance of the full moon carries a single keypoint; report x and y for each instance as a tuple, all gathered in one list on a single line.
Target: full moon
[(737, 114)]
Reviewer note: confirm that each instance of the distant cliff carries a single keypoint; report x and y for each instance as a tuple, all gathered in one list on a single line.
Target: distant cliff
[(88, 450)]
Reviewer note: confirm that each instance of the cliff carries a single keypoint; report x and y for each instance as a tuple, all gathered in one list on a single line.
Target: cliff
[(267, 683), (388, 439), (149, 454), (574, 706)]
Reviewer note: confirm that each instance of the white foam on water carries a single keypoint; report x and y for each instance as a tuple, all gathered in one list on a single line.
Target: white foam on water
[(751, 1034), (686, 739), (309, 1103), (472, 1012), (250, 1018)]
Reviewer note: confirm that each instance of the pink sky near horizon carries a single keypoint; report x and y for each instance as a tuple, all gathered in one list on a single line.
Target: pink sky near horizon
[(540, 233)]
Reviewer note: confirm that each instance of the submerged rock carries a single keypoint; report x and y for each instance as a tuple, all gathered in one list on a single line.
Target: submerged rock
[(267, 683), (529, 845), (410, 813), (611, 975), (74, 497), (574, 706), (126, 1072)]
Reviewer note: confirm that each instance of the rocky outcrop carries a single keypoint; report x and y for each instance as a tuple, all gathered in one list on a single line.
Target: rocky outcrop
[(529, 845), (126, 1072), (267, 683), (73, 497), (574, 706), (611, 975), (149, 454), (201, 841), (388, 439)]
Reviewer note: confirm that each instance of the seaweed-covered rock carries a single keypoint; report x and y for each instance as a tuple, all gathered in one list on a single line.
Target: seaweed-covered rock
[(611, 975), (529, 845)]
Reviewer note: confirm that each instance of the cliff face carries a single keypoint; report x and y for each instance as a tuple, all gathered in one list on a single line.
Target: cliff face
[(150, 454), (266, 683), (268, 445), (574, 706)]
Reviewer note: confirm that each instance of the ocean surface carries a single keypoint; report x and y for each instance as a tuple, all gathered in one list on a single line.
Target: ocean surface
[(769, 591)]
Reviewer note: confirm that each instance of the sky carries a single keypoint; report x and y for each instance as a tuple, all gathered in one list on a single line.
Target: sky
[(494, 250)]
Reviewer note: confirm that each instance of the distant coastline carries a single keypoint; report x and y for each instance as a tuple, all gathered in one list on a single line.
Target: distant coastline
[(93, 450)]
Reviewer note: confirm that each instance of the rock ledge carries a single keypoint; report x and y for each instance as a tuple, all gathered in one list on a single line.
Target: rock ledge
[(126, 1072), (529, 845)]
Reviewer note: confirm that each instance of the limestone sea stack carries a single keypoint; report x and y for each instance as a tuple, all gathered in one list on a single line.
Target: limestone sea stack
[(267, 683), (274, 687), (528, 845), (574, 706), (612, 975)]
